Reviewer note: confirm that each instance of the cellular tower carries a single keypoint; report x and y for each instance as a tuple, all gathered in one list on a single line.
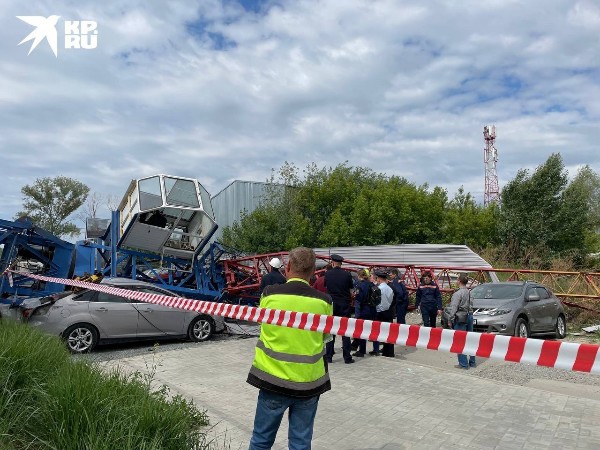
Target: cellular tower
[(490, 158)]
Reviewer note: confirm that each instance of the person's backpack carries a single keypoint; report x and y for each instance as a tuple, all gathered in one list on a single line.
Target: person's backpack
[(374, 296)]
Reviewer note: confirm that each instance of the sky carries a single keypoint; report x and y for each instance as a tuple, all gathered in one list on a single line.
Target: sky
[(226, 90)]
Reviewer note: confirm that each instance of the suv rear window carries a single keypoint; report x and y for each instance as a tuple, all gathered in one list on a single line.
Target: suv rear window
[(492, 291)]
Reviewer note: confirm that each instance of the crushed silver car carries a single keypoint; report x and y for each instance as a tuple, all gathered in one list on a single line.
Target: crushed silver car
[(87, 318)]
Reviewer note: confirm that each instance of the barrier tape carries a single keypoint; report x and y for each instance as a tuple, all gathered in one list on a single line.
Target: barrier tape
[(561, 355)]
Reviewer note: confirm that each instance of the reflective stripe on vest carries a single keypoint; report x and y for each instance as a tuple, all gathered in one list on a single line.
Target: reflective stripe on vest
[(289, 357), (287, 384)]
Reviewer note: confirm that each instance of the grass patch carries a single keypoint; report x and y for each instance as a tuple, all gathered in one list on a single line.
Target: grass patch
[(49, 401)]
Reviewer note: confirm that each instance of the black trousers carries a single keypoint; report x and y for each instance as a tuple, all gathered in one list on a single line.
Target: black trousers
[(386, 316), (401, 309), (341, 309)]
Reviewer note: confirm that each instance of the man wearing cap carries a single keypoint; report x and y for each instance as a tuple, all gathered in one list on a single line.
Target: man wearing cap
[(274, 276), (339, 285), (384, 311)]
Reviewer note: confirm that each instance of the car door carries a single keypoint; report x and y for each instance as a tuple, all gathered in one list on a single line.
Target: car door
[(548, 309), (115, 315), (158, 320), (534, 310)]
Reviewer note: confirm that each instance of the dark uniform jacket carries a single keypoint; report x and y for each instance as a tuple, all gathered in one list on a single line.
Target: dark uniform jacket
[(363, 309), (339, 283), (429, 295), (273, 277), (400, 292)]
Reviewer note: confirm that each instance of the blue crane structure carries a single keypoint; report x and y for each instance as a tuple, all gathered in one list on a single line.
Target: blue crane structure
[(161, 232), (33, 249)]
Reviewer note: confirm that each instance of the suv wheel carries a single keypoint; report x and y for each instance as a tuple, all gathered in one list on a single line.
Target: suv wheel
[(561, 327), (521, 328)]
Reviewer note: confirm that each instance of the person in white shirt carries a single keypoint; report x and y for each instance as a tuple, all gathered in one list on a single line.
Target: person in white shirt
[(384, 311)]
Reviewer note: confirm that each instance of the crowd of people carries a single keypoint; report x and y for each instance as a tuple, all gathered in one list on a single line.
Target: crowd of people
[(290, 366), (371, 295)]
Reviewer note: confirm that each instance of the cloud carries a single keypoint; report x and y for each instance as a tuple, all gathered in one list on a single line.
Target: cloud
[(226, 90)]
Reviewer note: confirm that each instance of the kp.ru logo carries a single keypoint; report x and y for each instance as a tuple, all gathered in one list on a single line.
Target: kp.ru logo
[(79, 34)]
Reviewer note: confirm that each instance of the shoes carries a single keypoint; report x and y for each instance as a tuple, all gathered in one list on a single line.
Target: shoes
[(328, 359), (461, 367), (359, 354), (374, 353), (473, 365), (350, 361)]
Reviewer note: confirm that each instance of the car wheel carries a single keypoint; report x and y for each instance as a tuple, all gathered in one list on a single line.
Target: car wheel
[(561, 327), (201, 329), (81, 338), (521, 328)]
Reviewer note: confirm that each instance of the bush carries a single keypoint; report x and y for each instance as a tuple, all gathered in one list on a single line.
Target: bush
[(48, 401)]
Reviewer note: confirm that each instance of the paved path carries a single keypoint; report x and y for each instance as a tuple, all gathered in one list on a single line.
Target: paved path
[(382, 403)]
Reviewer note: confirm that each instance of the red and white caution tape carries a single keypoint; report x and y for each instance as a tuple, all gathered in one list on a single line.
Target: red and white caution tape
[(562, 355)]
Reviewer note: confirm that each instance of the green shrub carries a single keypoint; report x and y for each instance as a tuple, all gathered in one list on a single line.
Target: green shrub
[(48, 401)]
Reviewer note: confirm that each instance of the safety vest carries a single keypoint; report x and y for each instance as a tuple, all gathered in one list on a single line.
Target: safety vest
[(290, 361)]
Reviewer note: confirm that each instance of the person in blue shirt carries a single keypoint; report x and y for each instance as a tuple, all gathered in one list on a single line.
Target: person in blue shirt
[(429, 300), (385, 313)]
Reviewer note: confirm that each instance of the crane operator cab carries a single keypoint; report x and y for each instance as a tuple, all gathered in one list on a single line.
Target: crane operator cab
[(168, 215)]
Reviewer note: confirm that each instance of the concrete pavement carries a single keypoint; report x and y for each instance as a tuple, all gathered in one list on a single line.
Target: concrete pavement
[(381, 403)]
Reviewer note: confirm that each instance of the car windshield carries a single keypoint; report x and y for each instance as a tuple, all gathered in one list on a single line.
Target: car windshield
[(496, 291)]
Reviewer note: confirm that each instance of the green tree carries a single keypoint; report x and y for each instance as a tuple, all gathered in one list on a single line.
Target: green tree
[(344, 206), (471, 224), (545, 214), (580, 214), (50, 201)]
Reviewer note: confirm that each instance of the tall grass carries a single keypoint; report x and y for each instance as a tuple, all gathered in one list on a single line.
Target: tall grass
[(48, 401)]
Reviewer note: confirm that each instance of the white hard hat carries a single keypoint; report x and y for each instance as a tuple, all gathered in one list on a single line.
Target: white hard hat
[(275, 263)]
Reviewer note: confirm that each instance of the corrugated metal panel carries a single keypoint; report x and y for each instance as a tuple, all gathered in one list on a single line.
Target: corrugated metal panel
[(235, 198), (421, 255)]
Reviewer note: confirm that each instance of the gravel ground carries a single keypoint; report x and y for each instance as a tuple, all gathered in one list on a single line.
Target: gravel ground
[(519, 374)]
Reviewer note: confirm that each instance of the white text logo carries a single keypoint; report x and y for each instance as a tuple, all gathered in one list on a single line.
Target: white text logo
[(79, 34)]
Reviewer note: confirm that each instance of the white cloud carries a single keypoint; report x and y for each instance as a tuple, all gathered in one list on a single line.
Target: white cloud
[(210, 90)]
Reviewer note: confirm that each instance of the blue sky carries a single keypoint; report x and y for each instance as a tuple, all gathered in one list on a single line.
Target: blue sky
[(224, 90)]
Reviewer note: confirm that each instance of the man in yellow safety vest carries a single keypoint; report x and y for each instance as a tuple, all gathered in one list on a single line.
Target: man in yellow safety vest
[(288, 366)]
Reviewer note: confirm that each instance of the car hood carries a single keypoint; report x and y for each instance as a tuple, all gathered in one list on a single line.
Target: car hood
[(489, 303)]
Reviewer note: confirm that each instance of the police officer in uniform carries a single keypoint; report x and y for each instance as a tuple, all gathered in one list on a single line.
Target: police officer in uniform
[(400, 295), (339, 285)]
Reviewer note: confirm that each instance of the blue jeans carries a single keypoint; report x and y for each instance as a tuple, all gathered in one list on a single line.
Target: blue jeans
[(462, 359), (269, 412)]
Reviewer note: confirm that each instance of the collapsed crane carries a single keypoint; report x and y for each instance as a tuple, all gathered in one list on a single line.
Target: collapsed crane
[(162, 232)]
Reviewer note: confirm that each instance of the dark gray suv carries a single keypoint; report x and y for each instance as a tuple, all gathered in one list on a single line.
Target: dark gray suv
[(517, 308)]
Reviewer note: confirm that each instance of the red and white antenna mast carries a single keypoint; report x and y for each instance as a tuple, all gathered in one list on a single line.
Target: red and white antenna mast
[(490, 158)]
